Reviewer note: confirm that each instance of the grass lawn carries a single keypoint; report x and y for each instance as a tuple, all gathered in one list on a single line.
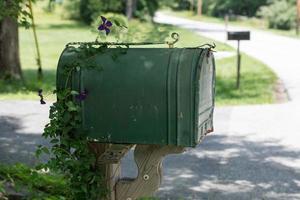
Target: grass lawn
[(257, 82), (253, 22), (34, 184), (54, 33)]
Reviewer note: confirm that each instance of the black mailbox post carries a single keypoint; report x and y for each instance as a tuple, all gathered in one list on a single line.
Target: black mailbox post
[(238, 35)]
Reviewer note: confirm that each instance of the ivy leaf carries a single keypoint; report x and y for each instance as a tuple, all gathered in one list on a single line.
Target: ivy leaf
[(40, 166), (71, 106), (117, 23), (54, 141), (45, 150), (73, 92), (38, 152)]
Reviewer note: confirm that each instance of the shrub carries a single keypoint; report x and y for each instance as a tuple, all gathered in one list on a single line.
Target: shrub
[(280, 14), (244, 7), (71, 8), (35, 184), (221, 7), (87, 10)]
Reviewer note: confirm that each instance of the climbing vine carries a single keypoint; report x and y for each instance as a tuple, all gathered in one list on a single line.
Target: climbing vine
[(70, 153)]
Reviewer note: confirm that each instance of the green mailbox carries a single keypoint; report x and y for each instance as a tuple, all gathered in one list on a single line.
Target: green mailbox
[(161, 96)]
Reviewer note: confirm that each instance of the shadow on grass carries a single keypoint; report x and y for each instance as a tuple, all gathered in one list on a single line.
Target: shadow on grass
[(227, 90), (74, 25), (30, 83), (252, 90), (230, 168), (257, 82)]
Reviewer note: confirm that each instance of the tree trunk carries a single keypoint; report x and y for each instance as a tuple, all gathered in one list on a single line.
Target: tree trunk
[(199, 10), (129, 9), (10, 66), (134, 5), (192, 5)]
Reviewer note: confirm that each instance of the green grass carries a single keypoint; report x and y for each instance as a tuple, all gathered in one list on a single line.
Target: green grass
[(36, 185), (54, 33), (253, 22), (257, 82)]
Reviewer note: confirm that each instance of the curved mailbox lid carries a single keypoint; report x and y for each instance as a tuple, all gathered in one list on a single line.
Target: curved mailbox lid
[(145, 96)]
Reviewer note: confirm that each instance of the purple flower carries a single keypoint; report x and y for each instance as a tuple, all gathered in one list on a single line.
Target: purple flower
[(106, 24), (82, 95)]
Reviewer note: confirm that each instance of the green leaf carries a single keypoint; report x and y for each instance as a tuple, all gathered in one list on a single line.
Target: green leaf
[(38, 152), (45, 150), (54, 141), (71, 106), (73, 92)]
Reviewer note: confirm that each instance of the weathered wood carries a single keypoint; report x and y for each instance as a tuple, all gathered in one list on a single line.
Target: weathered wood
[(111, 172), (149, 162), (112, 154)]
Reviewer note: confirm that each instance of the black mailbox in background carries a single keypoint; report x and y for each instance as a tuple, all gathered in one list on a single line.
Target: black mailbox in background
[(238, 35)]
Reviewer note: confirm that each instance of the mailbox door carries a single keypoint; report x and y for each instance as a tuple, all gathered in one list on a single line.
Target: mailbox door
[(205, 92)]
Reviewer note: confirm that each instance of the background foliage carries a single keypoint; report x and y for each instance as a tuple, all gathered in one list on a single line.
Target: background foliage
[(281, 14), (87, 10), (221, 7), (16, 9)]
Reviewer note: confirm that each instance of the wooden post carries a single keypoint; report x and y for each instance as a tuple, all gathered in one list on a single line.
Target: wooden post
[(199, 10), (226, 18), (148, 159), (238, 66), (111, 172)]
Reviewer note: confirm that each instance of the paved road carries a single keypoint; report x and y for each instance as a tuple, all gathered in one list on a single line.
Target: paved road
[(21, 125), (253, 154), (279, 52)]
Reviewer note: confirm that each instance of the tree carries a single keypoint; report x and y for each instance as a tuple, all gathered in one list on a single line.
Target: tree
[(199, 8), (129, 9), (10, 66), (192, 5)]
